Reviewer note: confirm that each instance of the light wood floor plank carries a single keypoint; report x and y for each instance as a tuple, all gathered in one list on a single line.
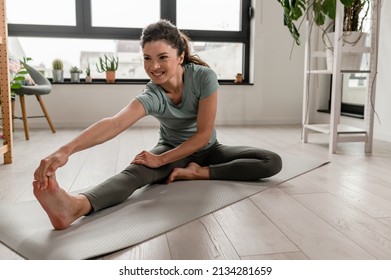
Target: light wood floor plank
[(386, 221), (243, 222), (311, 234), (376, 186), (300, 185), (364, 230), (199, 240), (13, 185), (340, 186), (130, 144), (91, 175), (150, 137), (282, 256)]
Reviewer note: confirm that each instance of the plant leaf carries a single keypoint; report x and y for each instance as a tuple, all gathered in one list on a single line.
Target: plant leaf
[(16, 86), (18, 78), (347, 3), (329, 8)]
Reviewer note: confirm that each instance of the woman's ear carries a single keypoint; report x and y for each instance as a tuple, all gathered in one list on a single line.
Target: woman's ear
[(182, 58)]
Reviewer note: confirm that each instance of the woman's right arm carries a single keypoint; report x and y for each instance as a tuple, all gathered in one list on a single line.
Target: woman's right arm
[(97, 133)]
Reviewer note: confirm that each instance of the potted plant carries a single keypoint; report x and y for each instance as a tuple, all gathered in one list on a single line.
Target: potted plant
[(353, 36), (88, 74), (109, 65), (19, 77), (75, 74), (58, 71), (323, 10)]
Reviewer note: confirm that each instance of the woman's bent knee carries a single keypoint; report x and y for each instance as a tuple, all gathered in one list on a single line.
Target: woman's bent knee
[(275, 164)]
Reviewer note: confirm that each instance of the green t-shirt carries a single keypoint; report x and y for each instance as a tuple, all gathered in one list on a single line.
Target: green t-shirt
[(179, 122)]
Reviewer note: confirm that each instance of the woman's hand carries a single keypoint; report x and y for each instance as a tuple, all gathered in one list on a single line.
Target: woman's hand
[(148, 159), (48, 167)]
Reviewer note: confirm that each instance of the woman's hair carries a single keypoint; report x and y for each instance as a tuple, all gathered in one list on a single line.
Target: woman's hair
[(165, 30)]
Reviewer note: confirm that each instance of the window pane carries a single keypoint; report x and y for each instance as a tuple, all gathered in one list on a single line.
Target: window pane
[(42, 12), (124, 13), (226, 59), (80, 52), (222, 15)]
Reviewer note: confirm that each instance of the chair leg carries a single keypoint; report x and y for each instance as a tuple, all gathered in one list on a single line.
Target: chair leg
[(12, 111), (24, 117), (45, 112)]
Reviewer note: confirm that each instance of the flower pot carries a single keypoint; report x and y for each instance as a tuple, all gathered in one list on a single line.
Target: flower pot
[(110, 76), (353, 44), (75, 77), (238, 78), (88, 79), (58, 76)]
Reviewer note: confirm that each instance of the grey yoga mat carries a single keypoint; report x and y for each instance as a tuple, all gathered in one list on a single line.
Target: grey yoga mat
[(150, 211)]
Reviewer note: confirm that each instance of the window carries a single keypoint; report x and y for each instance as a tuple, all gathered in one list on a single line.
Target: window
[(85, 30), (229, 20), (130, 14), (42, 12)]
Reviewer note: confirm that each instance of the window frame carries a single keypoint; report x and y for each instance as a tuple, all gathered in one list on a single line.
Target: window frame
[(84, 29)]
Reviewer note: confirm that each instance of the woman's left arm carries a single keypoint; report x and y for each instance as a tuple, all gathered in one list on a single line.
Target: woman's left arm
[(206, 116)]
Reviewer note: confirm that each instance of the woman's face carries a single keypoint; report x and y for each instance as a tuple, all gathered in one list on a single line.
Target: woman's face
[(161, 62)]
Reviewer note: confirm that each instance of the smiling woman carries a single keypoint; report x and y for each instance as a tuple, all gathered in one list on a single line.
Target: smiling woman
[(182, 96), (160, 60)]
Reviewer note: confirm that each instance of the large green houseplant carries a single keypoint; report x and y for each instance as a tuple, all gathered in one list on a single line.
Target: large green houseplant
[(323, 10), (323, 16)]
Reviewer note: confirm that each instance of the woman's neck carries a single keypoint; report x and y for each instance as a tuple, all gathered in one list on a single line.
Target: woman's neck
[(175, 84)]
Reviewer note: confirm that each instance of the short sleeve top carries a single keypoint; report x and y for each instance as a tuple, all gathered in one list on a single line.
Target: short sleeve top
[(179, 122)]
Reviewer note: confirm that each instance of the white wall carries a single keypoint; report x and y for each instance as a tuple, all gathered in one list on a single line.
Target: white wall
[(275, 97), (383, 92)]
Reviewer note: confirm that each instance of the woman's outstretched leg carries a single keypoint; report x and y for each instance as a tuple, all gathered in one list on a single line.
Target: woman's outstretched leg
[(61, 207), (119, 187)]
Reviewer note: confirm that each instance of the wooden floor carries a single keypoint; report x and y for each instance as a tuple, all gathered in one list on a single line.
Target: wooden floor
[(339, 211)]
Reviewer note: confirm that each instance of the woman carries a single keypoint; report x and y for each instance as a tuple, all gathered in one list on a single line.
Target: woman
[(182, 95)]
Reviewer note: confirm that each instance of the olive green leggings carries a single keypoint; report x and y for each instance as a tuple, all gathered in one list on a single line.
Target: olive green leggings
[(238, 163)]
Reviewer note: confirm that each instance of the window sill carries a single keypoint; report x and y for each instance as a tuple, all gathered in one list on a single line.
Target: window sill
[(135, 82), (102, 82)]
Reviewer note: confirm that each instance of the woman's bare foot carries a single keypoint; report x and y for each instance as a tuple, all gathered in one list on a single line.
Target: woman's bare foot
[(192, 172), (61, 207)]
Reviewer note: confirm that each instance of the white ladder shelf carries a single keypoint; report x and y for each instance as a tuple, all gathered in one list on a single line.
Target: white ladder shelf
[(338, 132)]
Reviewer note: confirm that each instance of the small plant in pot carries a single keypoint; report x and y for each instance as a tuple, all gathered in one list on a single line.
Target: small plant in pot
[(19, 77), (58, 71), (75, 74), (109, 65), (88, 74)]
